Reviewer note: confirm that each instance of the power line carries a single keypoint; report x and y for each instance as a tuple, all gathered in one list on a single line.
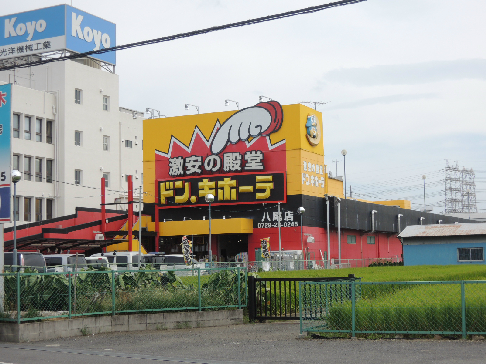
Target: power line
[(309, 10)]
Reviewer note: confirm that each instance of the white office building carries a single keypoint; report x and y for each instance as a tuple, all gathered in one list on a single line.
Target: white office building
[(68, 131)]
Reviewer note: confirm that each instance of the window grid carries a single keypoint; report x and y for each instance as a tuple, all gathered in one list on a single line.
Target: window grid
[(27, 208), (470, 254), (370, 239), (106, 176), (38, 209), (49, 209), (77, 177), (106, 142), (77, 96), (351, 239), (77, 138), (106, 103), (16, 125), (49, 124), (27, 169), (27, 127), (49, 165), (38, 130), (128, 143), (38, 169)]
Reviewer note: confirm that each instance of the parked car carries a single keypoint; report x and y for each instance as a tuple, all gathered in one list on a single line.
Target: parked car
[(25, 260), (122, 260), (65, 262), (99, 262)]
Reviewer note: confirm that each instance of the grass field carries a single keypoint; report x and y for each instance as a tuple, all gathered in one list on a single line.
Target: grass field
[(392, 274)]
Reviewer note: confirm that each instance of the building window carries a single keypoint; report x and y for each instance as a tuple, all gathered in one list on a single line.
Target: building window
[(128, 143), (16, 162), (27, 208), (38, 209), (49, 124), (27, 128), (38, 169), (78, 96), (106, 142), (470, 254), (78, 175), (370, 239), (27, 169), (106, 176), (38, 130), (78, 135), (106, 103), (49, 170), (16, 208), (49, 209), (16, 125), (351, 239)]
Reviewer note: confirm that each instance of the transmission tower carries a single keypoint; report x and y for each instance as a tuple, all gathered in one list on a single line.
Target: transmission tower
[(453, 190), (460, 189), (468, 191)]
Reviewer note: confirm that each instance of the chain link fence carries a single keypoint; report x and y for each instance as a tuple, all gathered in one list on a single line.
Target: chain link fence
[(34, 296), (442, 308)]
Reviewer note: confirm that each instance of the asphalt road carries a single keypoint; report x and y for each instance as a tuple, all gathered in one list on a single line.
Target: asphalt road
[(249, 343)]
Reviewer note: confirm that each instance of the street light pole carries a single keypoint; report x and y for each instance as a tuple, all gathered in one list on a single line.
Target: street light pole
[(344, 152), (209, 198), (301, 211), (16, 175)]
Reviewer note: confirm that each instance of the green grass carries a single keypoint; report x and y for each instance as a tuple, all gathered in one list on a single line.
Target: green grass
[(392, 274)]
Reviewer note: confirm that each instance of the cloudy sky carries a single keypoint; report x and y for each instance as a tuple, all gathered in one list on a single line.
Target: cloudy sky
[(404, 80)]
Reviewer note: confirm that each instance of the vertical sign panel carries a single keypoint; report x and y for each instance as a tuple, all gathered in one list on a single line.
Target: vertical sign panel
[(5, 153)]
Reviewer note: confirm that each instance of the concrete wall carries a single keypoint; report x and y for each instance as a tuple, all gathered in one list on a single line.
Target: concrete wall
[(45, 330)]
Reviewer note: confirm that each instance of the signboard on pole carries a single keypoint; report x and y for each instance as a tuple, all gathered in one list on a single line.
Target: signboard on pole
[(5, 151)]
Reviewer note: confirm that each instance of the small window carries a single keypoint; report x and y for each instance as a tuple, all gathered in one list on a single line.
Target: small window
[(27, 168), (78, 136), (49, 164), (38, 209), (370, 239), (106, 176), (16, 125), (49, 209), (27, 208), (49, 124), (351, 239), (38, 130), (78, 175), (16, 162), (128, 143), (106, 103), (106, 142), (27, 128), (78, 96), (470, 254), (38, 169)]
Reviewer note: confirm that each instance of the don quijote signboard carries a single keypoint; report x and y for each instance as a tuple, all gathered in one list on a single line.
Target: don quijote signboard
[(238, 163), (56, 28)]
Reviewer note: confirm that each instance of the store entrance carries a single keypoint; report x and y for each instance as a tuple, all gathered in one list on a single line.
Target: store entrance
[(229, 245)]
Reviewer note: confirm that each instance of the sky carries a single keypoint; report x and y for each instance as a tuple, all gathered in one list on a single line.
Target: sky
[(402, 83)]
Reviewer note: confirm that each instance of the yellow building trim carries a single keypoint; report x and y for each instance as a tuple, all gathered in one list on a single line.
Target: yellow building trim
[(123, 247), (404, 204), (201, 227)]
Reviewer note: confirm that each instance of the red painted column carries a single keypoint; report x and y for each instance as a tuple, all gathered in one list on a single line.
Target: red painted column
[(103, 209), (130, 212), (156, 212)]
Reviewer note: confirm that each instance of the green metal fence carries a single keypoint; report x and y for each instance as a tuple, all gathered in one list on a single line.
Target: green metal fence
[(35, 296), (442, 308)]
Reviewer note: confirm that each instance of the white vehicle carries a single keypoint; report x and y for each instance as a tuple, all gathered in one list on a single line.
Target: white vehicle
[(65, 262), (120, 260), (99, 262)]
